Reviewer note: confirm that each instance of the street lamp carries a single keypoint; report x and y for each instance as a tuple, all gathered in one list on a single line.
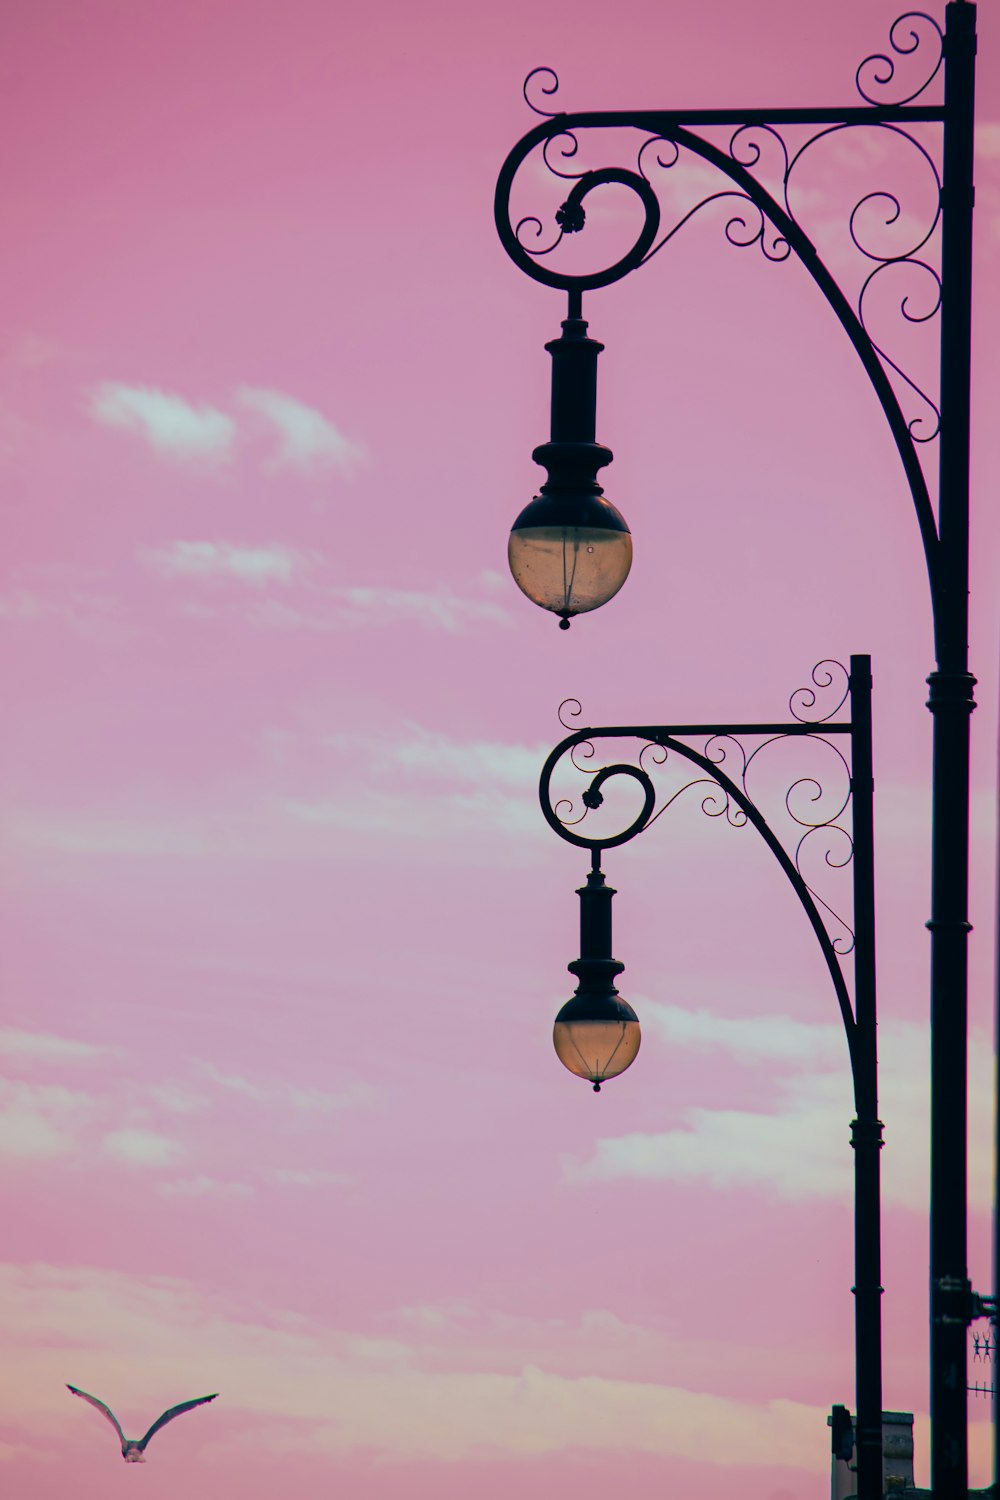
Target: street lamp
[(597, 1035), (570, 549), (894, 105)]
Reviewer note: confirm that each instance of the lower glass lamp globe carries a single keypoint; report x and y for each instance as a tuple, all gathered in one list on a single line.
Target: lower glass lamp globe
[(596, 1037), (570, 569)]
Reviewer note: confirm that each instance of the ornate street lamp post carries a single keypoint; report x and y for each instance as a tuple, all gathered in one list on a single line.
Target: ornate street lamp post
[(570, 549), (597, 1033)]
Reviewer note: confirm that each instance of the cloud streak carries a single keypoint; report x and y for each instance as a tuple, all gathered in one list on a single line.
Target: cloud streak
[(172, 426), (141, 1148), (385, 1401), (30, 1046), (38, 1120), (799, 1150), (307, 440), (361, 607), (211, 561), (287, 1095), (201, 1187)]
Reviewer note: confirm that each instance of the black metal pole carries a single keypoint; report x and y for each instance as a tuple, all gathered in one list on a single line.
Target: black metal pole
[(946, 543), (866, 1129), (951, 703), (995, 1289)]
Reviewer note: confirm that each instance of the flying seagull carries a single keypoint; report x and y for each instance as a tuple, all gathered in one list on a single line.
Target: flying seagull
[(134, 1450)]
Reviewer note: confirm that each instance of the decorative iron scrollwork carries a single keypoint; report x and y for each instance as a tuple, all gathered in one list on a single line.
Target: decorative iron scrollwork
[(878, 72), (757, 153), (823, 678), (724, 766)]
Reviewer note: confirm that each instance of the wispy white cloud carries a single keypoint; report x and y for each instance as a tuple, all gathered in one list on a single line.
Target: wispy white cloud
[(307, 1177), (44, 1047), (317, 609), (800, 1148), (178, 1098), (141, 1148), (428, 755), (385, 1401), (464, 784), (201, 1187), (40, 1119), (440, 817), (362, 607), (171, 425), (798, 1152), (748, 1038), (89, 613), (290, 1096), (219, 560), (308, 440)]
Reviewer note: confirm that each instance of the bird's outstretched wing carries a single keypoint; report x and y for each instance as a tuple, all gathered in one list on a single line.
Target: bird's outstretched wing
[(105, 1410), (168, 1416)]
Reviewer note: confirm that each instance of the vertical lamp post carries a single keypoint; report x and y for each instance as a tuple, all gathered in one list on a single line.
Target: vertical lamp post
[(570, 550), (596, 1033)]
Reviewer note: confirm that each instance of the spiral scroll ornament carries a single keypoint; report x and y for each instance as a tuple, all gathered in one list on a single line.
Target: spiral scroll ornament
[(732, 772), (764, 201), (825, 696), (916, 51)]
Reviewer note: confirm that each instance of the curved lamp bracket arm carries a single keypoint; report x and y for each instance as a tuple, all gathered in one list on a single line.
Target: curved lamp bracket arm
[(527, 244), (593, 796), (871, 357), (665, 739)]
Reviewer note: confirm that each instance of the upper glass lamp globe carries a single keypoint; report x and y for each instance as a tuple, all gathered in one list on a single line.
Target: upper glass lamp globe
[(570, 558), (596, 1037)]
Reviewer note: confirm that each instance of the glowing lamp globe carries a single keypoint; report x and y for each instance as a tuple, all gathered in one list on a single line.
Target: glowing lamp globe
[(596, 1037), (570, 552)]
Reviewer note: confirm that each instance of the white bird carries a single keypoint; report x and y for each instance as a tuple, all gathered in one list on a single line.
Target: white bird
[(133, 1450)]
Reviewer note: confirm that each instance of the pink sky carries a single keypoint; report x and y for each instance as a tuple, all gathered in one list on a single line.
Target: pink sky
[(285, 931)]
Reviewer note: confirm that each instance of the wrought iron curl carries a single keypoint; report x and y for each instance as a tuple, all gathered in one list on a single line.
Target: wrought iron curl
[(558, 139), (903, 135), (586, 750), (900, 255), (717, 802), (664, 165), (745, 146), (746, 150), (565, 817), (753, 222), (722, 761), (658, 754), (878, 71), (559, 814), (819, 795), (843, 942), (776, 248), (553, 88), (534, 223), (915, 424), (567, 151), (571, 706), (719, 748), (823, 678)]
